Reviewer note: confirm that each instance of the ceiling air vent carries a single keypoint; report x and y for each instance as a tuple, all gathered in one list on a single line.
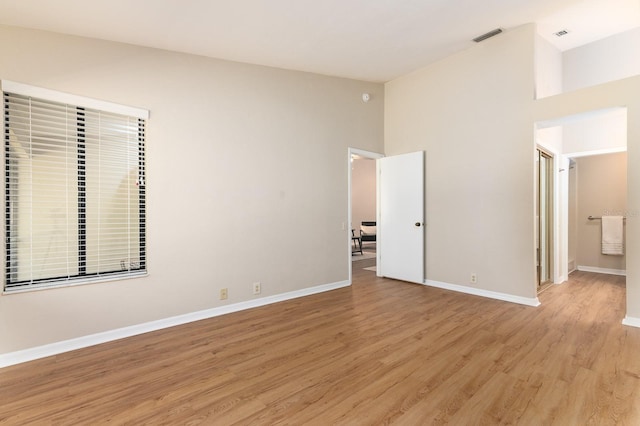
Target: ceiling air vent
[(487, 35), (561, 33)]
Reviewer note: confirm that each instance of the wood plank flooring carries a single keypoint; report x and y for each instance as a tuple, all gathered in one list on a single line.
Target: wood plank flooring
[(379, 352)]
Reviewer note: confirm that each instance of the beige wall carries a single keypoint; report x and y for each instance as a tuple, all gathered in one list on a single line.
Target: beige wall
[(606, 60), (472, 114), (548, 66), (242, 162), (363, 192), (601, 182), (598, 131)]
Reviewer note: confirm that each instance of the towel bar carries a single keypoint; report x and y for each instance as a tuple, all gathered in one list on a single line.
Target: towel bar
[(599, 218)]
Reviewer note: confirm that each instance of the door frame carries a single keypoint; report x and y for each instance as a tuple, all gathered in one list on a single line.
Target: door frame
[(347, 227), (559, 214), (551, 217)]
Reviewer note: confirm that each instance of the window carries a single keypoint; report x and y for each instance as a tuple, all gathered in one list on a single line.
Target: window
[(74, 189)]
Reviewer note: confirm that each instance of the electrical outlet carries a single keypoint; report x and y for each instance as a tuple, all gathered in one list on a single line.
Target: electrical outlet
[(473, 279), (257, 288), (223, 294)]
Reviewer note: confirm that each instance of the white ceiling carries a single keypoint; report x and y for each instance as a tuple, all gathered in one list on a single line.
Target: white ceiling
[(374, 40)]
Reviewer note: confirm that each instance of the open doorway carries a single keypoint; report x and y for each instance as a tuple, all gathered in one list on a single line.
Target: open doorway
[(363, 210), (597, 196), (587, 182)]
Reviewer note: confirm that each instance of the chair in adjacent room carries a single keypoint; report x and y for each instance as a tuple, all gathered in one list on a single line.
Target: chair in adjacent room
[(368, 231), (357, 243)]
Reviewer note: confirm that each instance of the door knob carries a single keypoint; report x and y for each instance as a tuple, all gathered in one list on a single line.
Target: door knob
[(418, 224)]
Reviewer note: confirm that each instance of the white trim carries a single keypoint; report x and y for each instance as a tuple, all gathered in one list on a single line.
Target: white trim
[(596, 152), (66, 98), (31, 354), (485, 293), (568, 119), (602, 270), (631, 321), (561, 220), (366, 154)]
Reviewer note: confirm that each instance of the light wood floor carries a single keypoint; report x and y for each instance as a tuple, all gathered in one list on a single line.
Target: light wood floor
[(378, 352)]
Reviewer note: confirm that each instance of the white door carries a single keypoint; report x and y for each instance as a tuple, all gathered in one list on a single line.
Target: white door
[(401, 223)]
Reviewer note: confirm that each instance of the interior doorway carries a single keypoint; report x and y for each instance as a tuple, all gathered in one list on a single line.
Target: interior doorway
[(363, 210), (570, 140)]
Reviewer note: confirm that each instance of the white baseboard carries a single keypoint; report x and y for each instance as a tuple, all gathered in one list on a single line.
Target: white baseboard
[(631, 321), (562, 279), (31, 354), (485, 293), (602, 270)]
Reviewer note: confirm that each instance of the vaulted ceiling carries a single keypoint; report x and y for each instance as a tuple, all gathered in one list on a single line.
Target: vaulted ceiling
[(373, 40)]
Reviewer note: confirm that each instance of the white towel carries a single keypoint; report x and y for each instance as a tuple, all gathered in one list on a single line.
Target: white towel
[(612, 235)]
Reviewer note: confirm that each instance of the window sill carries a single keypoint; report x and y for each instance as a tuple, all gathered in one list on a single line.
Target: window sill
[(73, 283)]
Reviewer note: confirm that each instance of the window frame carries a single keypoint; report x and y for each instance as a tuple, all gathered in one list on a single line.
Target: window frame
[(80, 104)]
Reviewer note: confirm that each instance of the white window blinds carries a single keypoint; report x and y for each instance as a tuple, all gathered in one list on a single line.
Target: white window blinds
[(74, 193)]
